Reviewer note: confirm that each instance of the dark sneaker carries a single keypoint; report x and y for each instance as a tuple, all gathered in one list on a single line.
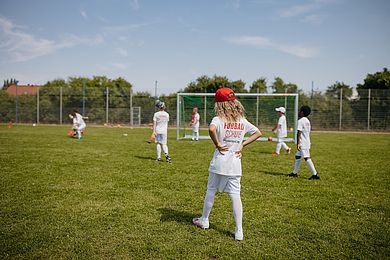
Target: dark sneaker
[(314, 177), (168, 159), (158, 159), (292, 175)]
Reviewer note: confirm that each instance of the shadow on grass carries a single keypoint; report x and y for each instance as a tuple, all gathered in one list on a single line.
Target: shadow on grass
[(145, 157), (168, 215), (275, 173)]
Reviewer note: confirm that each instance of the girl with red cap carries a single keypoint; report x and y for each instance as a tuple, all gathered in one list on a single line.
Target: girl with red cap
[(227, 131)]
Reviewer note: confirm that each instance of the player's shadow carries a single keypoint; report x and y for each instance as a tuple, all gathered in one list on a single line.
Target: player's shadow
[(168, 214), (145, 157), (274, 173)]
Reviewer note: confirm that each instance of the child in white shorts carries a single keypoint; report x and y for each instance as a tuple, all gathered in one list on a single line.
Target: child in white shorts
[(227, 132), (303, 144), (160, 130)]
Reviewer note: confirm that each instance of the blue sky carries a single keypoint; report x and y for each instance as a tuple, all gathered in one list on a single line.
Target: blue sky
[(174, 42)]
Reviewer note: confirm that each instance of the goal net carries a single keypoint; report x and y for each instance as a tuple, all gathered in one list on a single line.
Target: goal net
[(259, 107)]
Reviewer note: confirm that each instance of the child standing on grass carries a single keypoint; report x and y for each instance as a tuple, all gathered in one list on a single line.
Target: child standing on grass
[(227, 131), (303, 144), (195, 124), (160, 130), (281, 131)]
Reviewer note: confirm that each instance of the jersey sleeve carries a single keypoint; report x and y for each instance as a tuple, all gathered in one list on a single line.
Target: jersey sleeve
[(215, 121), (300, 125), (250, 128), (281, 120), (154, 117)]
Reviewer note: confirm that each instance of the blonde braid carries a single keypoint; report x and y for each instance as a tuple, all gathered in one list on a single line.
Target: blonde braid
[(229, 111)]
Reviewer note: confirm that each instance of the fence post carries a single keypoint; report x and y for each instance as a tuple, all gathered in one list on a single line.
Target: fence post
[(107, 105), (131, 106), (257, 108), (369, 109), (38, 106), (205, 111), (60, 105), (341, 108)]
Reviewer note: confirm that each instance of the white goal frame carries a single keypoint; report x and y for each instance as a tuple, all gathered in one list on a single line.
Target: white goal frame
[(179, 100)]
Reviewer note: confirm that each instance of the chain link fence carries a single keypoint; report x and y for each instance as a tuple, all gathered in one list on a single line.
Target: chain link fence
[(369, 110)]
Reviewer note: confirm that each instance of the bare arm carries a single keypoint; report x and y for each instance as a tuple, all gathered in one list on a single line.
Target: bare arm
[(213, 134), (251, 139), (299, 140)]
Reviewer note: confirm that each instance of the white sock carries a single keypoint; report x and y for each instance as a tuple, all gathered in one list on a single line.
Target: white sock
[(310, 164), (197, 135), (208, 204), (158, 148), (297, 164), (165, 149), (237, 210), (278, 146)]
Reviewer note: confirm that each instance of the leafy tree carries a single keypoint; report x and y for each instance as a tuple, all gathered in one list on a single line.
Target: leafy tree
[(335, 90), (259, 86), (279, 86), (205, 84)]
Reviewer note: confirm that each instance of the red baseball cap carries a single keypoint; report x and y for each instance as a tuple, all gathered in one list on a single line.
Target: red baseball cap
[(224, 94)]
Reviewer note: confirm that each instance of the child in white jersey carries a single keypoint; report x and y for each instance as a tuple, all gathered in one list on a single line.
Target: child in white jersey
[(195, 124), (160, 130), (227, 132), (281, 131), (303, 144), (78, 124)]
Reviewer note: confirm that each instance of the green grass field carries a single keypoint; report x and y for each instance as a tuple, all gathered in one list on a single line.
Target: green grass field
[(106, 197)]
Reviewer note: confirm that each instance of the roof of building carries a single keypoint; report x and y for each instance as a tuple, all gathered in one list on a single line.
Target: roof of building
[(22, 89)]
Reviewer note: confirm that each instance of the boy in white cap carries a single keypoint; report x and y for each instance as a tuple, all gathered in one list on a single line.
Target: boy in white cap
[(227, 132), (281, 131), (160, 130), (195, 124), (303, 144)]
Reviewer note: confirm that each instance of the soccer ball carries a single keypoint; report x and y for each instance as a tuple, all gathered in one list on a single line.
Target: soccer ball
[(269, 138)]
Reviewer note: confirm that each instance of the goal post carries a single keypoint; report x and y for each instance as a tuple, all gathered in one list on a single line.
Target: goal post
[(259, 110)]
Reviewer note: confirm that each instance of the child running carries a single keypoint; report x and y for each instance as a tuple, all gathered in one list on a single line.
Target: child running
[(195, 124), (303, 144), (160, 130), (281, 131), (227, 131), (78, 123)]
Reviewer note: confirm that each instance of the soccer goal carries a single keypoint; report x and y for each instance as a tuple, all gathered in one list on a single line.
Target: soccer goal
[(259, 107)]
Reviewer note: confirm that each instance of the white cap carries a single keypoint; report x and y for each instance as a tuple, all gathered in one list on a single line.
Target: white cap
[(281, 109)]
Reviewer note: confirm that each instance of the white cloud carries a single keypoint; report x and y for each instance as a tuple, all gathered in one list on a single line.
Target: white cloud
[(298, 10), (313, 19), (122, 52), (298, 51), (257, 41), (84, 14), (134, 5), (265, 42), (18, 46)]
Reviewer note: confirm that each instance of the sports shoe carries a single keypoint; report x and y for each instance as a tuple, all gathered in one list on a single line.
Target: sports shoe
[(275, 154), (288, 150), (292, 175), (239, 235), (168, 159), (314, 177), (158, 159), (200, 223)]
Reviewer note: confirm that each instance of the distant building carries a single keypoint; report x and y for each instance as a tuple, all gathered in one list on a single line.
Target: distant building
[(23, 89)]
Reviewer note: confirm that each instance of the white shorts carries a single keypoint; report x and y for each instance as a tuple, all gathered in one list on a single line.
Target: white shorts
[(281, 139), (224, 183), (195, 129), (161, 138), (305, 153)]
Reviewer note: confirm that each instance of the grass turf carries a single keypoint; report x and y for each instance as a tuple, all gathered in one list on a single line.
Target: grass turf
[(106, 197)]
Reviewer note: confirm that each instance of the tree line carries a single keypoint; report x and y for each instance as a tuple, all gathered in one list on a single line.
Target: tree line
[(90, 94)]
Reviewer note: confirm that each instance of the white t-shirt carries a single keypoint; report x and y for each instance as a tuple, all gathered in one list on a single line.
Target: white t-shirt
[(195, 120), (282, 129), (78, 121), (161, 118), (305, 127), (232, 135)]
